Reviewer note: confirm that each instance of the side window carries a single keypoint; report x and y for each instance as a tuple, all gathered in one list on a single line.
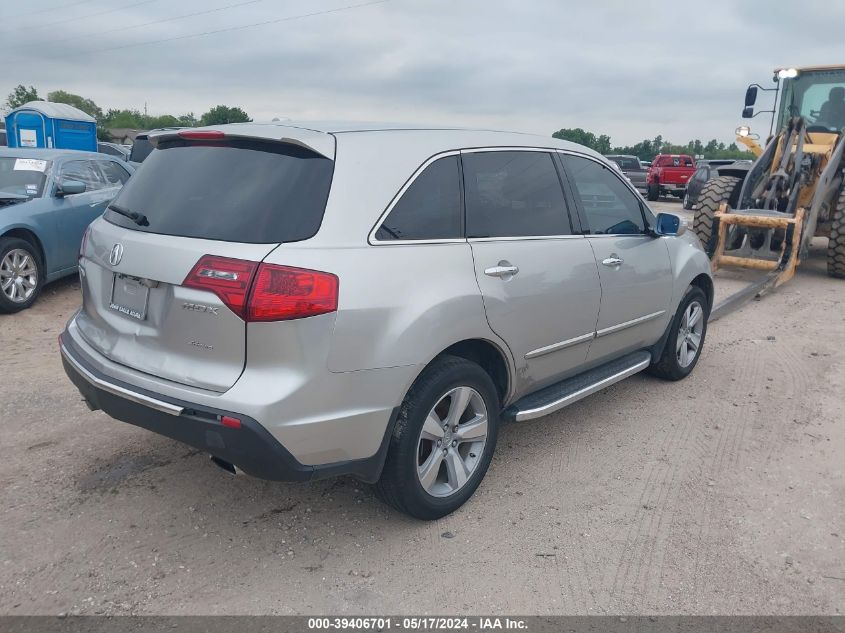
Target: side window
[(513, 194), (114, 174), (430, 208), (83, 171), (609, 206)]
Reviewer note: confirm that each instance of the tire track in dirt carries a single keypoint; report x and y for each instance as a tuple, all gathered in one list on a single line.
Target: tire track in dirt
[(631, 588)]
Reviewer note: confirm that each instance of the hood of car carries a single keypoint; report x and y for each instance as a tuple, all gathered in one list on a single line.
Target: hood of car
[(8, 199)]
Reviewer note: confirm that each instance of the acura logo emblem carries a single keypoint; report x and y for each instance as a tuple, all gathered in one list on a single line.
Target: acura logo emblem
[(116, 254)]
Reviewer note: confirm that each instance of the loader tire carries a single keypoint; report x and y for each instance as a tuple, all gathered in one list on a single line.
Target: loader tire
[(713, 194), (836, 243)]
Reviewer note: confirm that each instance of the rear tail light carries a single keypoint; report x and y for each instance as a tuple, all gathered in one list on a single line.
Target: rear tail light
[(228, 278), (281, 293), (265, 292)]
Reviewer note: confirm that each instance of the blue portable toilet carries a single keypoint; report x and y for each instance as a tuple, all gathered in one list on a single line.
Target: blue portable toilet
[(51, 125)]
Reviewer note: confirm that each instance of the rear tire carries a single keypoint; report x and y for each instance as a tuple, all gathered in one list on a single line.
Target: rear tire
[(688, 325), (836, 243), (715, 192), (421, 477), (20, 275), (653, 192), (687, 204)]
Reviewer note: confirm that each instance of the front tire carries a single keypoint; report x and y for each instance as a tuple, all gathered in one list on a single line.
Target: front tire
[(836, 242), (686, 337), (20, 275), (715, 192), (687, 204), (443, 440)]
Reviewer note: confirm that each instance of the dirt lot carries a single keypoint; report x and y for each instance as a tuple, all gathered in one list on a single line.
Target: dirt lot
[(722, 494)]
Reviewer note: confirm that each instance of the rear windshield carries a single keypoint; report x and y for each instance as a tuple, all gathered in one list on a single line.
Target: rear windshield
[(141, 148), (626, 163), (240, 191)]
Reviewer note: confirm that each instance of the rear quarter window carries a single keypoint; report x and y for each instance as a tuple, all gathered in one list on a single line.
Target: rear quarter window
[(237, 191), (430, 208)]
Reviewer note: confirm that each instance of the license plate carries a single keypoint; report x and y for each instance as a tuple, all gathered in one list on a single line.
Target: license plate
[(129, 297)]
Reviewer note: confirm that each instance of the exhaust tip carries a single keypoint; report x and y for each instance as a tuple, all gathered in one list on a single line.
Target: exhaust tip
[(227, 466)]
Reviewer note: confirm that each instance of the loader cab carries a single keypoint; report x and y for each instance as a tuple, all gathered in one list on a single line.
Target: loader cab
[(817, 95)]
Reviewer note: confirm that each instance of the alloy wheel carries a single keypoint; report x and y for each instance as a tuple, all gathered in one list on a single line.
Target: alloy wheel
[(690, 331), (452, 441), (18, 275)]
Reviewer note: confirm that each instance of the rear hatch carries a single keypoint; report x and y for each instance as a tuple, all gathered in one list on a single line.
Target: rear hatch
[(168, 270)]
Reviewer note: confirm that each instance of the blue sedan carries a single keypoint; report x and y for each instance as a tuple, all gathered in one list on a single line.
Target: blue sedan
[(47, 200)]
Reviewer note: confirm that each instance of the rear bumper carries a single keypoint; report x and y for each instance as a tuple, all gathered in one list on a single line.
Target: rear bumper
[(250, 448), (668, 186)]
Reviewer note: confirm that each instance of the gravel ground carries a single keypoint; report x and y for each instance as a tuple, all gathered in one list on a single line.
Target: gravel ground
[(722, 494)]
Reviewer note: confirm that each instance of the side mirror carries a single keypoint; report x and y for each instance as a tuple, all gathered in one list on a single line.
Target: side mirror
[(751, 96), (669, 224), (748, 112), (70, 188)]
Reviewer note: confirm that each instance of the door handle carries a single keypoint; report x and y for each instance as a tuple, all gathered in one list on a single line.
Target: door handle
[(504, 269), (613, 260)]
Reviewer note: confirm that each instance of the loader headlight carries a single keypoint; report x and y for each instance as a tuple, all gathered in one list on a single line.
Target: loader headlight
[(787, 73), (743, 130)]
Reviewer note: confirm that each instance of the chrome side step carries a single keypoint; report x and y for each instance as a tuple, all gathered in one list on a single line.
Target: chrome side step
[(562, 394)]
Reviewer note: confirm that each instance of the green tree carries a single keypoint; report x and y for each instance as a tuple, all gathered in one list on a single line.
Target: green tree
[(86, 105), (578, 135), (21, 95), (224, 114), (188, 120)]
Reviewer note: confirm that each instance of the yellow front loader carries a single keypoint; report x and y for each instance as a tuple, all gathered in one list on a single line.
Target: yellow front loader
[(764, 218)]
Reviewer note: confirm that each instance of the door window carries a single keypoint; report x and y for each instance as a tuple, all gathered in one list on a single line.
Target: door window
[(513, 194), (114, 174), (430, 208), (83, 171), (609, 206)]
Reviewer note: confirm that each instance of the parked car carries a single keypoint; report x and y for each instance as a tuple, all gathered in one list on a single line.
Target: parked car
[(645, 163), (114, 149), (47, 199), (668, 175), (141, 146), (302, 301), (708, 171), (632, 168)]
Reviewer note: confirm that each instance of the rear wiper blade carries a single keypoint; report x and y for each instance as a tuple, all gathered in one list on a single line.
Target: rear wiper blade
[(138, 218)]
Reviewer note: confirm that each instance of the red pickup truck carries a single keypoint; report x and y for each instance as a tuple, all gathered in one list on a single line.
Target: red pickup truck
[(669, 174)]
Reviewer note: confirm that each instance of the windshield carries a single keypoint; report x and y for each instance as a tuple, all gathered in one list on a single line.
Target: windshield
[(23, 176), (238, 191), (818, 96)]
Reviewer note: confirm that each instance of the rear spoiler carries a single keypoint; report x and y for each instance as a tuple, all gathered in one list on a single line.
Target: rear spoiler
[(317, 142)]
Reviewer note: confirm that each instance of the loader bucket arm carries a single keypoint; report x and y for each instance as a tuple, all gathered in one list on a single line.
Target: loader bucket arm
[(829, 184)]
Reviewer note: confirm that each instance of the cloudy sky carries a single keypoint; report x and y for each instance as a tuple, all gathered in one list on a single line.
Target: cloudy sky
[(628, 68)]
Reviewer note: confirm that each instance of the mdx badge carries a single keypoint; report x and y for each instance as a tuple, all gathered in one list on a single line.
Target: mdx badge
[(116, 254)]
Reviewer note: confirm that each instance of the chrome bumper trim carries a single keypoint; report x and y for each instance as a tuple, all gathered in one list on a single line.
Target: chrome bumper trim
[(119, 391)]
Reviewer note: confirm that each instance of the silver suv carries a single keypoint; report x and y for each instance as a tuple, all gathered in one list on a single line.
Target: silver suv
[(303, 301)]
